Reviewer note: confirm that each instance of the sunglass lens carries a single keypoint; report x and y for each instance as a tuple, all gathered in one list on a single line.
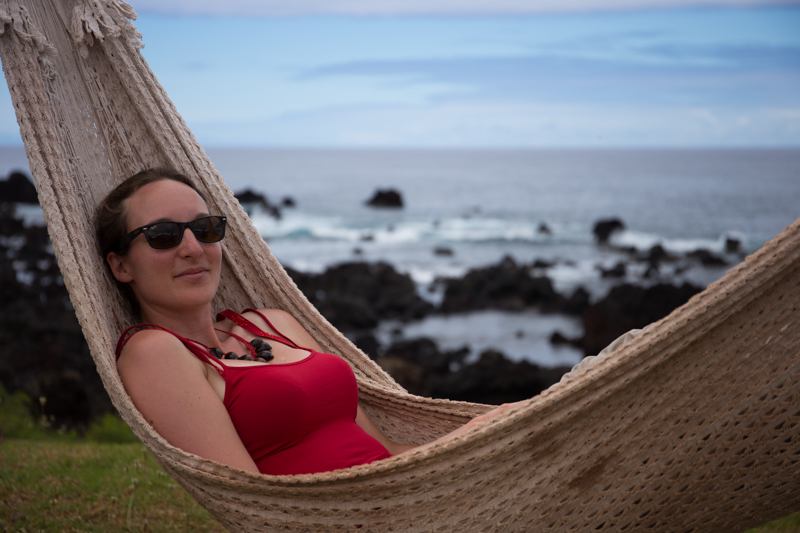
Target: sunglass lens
[(164, 235), (209, 229)]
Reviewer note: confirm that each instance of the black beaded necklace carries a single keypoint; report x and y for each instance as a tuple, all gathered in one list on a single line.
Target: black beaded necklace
[(259, 350)]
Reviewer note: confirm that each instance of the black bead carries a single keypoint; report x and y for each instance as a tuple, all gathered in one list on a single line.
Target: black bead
[(216, 352), (231, 355), (261, 360), (246, 357), (266, 355), (263, 348), (255, 343)]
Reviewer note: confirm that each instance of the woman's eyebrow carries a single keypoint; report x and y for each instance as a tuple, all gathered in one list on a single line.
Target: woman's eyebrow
[(167, 219)]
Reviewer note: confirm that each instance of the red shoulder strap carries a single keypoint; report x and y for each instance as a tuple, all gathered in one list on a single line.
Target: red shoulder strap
[(239, 320), (198, 349)]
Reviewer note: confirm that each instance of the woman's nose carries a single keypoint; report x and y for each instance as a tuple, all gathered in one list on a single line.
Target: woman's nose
[(190, 246)]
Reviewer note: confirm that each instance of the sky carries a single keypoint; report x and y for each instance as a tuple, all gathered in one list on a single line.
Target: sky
[(475, 73)]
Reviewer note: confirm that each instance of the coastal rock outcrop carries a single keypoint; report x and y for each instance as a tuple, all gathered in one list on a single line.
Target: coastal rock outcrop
[(44, 353), (354, 296), (17, 187), (505, 286), (386, 198), (251, 200), (494, 379), (605, 227), (629, 307), (422, 368)]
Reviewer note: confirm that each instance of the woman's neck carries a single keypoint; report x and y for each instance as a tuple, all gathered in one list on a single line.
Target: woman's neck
[(196, 324)]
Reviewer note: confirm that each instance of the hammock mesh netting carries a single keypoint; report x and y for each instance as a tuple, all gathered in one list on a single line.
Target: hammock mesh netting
[(694, 425)]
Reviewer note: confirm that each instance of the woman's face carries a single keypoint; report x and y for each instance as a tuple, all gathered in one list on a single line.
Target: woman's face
[(186, 275)]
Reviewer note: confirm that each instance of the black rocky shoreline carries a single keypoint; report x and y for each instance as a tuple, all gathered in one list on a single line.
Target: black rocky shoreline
[(45, 355)]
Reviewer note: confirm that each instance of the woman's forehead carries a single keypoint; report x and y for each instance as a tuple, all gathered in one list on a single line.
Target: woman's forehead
[(163, 200)]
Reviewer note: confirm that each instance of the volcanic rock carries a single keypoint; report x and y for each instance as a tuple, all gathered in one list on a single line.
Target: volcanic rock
[(421, 368), (44, 353), (494, 379), (18, 187), (617, 271), (707, 258), (425, 353), (629, 307), (733, 245), (505, 286), (574, 305), (355, 296), (386, 198), (604, 228), (249, 199)]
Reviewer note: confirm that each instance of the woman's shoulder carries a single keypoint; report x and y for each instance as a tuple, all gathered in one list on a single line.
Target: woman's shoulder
[(151, 343)]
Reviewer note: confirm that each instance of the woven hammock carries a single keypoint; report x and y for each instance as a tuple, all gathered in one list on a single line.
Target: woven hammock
[(692, 425)]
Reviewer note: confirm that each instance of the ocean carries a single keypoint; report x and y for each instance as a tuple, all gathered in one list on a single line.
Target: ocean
[(465, 209)]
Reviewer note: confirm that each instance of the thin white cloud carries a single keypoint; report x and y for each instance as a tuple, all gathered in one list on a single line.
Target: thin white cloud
[(423, 7), (511, 125)]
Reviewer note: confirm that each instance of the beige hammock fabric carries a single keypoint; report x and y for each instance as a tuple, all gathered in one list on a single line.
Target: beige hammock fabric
[(692, 426)]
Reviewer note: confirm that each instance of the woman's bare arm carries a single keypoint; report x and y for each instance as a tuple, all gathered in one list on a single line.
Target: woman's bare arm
[(169, 387)]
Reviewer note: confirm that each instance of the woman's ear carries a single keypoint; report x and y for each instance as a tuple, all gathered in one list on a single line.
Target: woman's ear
[(118, 267)]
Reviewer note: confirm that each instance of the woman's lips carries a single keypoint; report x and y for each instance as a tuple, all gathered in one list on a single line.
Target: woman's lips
[(193, 273)]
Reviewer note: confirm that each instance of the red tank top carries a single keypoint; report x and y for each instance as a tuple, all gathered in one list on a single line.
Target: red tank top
[(293, 418)]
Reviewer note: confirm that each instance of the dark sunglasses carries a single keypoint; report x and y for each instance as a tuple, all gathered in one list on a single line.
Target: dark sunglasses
[(163, 235)]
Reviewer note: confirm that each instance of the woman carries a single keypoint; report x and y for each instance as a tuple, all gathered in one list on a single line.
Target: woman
[(288, 410)]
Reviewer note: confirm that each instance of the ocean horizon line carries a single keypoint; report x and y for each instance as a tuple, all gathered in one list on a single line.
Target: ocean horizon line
[(556, 148)]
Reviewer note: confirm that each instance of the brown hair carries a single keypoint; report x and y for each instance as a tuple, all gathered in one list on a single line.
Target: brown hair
[(111, 220)]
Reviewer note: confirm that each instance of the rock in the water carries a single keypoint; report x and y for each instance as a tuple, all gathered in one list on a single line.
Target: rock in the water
[(250, 199), (733, 245), (425, 353), (505, 286), (629, 307), (386, 198), (494, 379), (354, 296), (369, 344), (559, 339), (604, 228), (617, 271), (707, 258), (18, 188), (410, 376), (421, 368), (249, 196), (575, 304)]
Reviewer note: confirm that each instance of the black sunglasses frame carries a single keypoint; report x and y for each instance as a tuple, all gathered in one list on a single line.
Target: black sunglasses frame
[(126, 240)]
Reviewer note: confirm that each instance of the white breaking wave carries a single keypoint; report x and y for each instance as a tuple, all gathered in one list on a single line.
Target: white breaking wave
[(296, 224)]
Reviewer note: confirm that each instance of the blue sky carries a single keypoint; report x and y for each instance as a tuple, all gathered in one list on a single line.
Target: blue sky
[(506, 74)]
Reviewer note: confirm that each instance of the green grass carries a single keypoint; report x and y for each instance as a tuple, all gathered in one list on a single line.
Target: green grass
[(86, 486), (104, 480), (789, 524)]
